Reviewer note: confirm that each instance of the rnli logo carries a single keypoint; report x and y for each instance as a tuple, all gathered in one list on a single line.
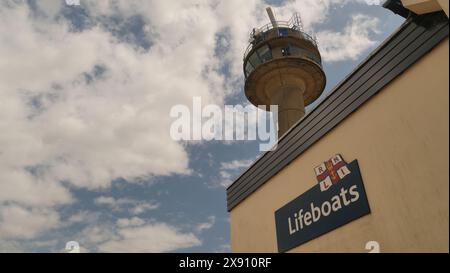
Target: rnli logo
[(330, 172)]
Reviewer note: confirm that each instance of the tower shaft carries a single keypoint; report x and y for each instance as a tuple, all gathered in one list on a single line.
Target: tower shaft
[(291, 107)]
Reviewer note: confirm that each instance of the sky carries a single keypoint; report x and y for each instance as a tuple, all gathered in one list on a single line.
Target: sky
[(85, 96)]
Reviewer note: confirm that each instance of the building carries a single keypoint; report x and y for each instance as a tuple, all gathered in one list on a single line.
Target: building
[(385, 128)]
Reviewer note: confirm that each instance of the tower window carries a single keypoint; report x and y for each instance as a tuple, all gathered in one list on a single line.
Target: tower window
[(283, 32), (255, 60), (248, 69), (285, 51), (265, 53)]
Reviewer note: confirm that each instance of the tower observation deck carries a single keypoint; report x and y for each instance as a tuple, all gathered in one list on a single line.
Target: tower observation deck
[(283, 66)]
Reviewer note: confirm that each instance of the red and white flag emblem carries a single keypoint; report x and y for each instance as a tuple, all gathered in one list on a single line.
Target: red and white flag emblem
[(331, 171)]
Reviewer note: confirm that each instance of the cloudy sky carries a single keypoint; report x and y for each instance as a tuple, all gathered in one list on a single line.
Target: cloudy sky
[(85, 96)]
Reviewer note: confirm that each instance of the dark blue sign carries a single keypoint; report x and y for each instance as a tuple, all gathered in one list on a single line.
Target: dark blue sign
[(317, 212)]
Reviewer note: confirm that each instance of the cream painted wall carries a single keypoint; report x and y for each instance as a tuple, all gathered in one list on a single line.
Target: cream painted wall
[(444, 5), (426, 6), (401, 140)]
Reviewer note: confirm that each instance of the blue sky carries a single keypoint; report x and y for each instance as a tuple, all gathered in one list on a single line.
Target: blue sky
[(85, 95)]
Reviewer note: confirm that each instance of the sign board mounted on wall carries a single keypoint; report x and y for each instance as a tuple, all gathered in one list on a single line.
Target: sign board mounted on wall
[(336, 200)]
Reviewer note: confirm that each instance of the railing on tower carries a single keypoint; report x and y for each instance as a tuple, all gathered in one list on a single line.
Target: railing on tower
[(295, 24)]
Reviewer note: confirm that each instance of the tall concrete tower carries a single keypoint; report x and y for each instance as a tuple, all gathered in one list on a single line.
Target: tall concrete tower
[(283, 67)]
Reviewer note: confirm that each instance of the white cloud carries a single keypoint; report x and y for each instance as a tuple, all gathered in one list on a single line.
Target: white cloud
[(143, 207), (133, 222), (157, 237), (225, 180), (312, 12), (48, 243), (18, 185), (206, 225), (82, 217), (352, 42), (230, 170), (96, 234), (111, 201), (135, 207), (50, 7), (136, 234), (225, 248), (373, 2), (20, 222), (10, 246), (235, 164), (90, 134)]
